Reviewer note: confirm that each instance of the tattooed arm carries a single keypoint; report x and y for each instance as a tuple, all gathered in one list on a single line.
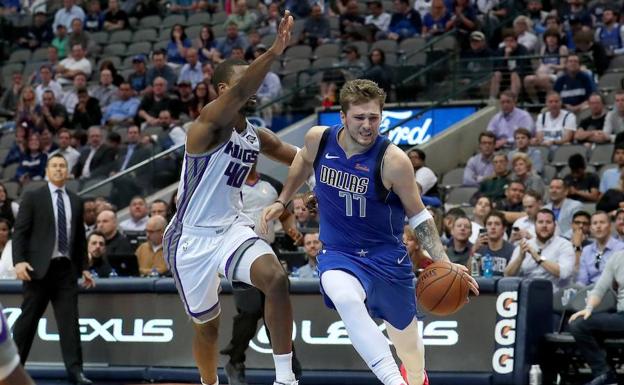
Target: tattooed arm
[(397, 174)]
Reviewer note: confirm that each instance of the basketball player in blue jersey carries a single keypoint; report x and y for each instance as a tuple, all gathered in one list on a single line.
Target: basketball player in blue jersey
[(11, 372), (365, 187), (209, 235)]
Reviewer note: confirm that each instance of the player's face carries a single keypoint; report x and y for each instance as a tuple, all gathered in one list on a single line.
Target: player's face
[(362, 122), (600, 227)]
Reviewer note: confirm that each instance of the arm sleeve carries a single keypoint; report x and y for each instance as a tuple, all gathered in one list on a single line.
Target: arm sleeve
[(566, 260), (606, 277), (470, 177), (620, 50), (583, 276), (570, 122)]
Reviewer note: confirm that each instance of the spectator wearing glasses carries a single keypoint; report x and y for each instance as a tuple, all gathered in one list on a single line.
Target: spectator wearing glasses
[(480, 165), (546, 256), (596, 254), (580, 234), (149, 253)]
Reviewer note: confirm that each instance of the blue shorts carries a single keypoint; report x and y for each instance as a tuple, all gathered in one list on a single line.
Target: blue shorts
[(386, 277)]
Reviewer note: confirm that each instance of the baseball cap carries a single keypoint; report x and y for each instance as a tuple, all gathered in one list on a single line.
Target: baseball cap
[(477, 35), (140, 58), (184, 83)]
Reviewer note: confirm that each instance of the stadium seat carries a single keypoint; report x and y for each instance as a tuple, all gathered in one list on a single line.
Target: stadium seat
[(362, 46), (566, 170), (117, 49), (40, 54), (72, 185), (198, 19), (218, 18), (12, 188), (601, 154), (33, 185), (124, 36), (100, 37), (446, 43), (460, 195), (617, 63), (388, 46), (116, 60), (589, 207), (3, 154), (298, 52), (611, 80), (295, 65), (417, 59), (20, 55), (160, 45), (453, 178), (267, 40), (325, 62), (391, 59), (549, 173), (139, 48), (412, 44), (147, 34), (8, 69), (172, 20), (193, 31), (165, 33), (327, 50), (150, 22), (6, 141), (562, 153), (103, 191)]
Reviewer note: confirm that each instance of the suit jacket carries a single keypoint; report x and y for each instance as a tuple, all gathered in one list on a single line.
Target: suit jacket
[(100, 164), (141, 152), (568, 208), (35, 232)]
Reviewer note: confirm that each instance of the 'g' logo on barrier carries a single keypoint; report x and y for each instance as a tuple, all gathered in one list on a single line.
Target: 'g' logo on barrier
[(505, 332)]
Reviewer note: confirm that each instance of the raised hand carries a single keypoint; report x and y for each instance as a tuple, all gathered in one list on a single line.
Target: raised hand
[(283, 34)]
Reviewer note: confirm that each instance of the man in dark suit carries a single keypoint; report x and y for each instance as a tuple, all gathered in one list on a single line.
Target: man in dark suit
[(50, 253), (134, 152), (96, 159)]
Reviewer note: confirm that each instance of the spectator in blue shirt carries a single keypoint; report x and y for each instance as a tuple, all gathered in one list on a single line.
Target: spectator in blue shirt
[(160, 69), (122, 111), (405, 22), (138, 78), (192, 70), (436, 22), (67, 14), (574, 85), (32, 165), (178, 44), (94, 20), (611, 178), (595, 256), (232, 39)]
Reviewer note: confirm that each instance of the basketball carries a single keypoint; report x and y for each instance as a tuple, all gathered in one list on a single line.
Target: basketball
[(442, 289)]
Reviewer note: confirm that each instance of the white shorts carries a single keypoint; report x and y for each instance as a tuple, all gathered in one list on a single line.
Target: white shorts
[(198, 256)]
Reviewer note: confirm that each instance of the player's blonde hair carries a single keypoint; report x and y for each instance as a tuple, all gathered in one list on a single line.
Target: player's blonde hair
[(361, 91)]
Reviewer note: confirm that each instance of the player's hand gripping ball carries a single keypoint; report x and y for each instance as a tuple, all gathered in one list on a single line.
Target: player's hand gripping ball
[(442, 288)]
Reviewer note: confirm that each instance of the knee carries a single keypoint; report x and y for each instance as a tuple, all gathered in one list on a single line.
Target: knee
[(345, 299), (276, 282), (208, 332), (577, 326)]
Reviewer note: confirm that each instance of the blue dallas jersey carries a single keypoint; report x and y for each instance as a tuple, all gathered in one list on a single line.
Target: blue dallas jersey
[(361, 227), (356, 210)]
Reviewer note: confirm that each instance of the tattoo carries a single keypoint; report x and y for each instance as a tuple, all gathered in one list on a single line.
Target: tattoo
[(430, 240)]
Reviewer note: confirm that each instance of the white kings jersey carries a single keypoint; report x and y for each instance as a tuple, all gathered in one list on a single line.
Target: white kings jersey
[(209, 194)]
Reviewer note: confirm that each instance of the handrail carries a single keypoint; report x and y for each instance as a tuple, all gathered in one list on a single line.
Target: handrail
[(425, 69), (428, 46), (131, 169)]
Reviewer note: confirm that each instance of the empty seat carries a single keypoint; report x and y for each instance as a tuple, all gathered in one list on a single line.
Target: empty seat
[(150, 22), (9, 171), (40, 54), (417, 59), (549, 173), (412, 44), (100, 37), (218, 18), (611, 80), (388, 46), (327, 50), (124, 36), (193, 31), (295, 65), (325, 62), (198, 19), (143, 47), (20, 55), (142, 35), (362, 46), (172, 20), (454, 177), (298, 52), (447, 43), (116, 60), (9, 69), (160, 45), (562, 153), (117, 49), (460, 195), (601, 154), (33, 185), (12, 188)]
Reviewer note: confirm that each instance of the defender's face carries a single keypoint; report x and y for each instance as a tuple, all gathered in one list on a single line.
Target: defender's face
[(362, 122)]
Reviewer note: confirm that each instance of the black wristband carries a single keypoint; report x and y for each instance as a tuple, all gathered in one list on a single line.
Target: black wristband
[(282, 203)]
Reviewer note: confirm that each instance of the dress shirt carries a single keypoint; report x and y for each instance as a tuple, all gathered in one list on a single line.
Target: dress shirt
[(131, 225), (65, 17), (52, 86), (194, 74), (610, 179), (382, 22), (558, 250), (426, 178), (588, 273), (68, 217), (504, 125), (104, 94), (614, 123), (121, 110), (271, 87), (477, 168), (129, 151), (86, 169), (70, 154), (526, 224)]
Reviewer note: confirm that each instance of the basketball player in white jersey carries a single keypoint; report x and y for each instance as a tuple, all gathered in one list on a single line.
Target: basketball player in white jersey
[(11, 372), (209, 235)]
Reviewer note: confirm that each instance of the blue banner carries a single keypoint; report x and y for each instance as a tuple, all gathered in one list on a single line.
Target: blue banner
[(415, 131)]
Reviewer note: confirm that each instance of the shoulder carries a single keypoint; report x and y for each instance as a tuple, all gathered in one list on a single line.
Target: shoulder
[(315, 133), (397, 163)]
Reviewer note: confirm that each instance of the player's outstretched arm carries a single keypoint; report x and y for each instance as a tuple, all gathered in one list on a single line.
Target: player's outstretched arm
[(398, 175), (299, 171), (273, 147), (214, 124)]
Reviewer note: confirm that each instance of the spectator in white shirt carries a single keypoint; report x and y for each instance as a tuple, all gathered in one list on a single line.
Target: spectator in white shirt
[(47, 83), (65, 15), (70, 154), (546, 256), (7, 270), (425, 177), (377, 17), (70, 66), (614, 121), (554, 126), (138, 216), (523, 26), (70, 98), (524, 227), (106, 91)]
